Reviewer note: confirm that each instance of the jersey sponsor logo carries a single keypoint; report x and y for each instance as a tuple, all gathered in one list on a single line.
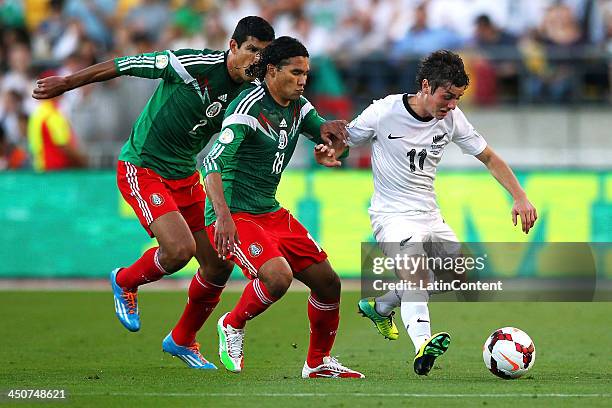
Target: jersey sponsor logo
[(156, 199), (214, 109), (419, 320), (283, 123), (282, 138), (255, 249), (226, 136), (161, 61), (394, 137), (438, 138), (223, 98)]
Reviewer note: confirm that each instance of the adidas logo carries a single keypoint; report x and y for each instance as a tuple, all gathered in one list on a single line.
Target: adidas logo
[(283, 123), (223, 98)]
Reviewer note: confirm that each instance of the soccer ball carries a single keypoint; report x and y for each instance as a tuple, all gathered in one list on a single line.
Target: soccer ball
[(509, 353)]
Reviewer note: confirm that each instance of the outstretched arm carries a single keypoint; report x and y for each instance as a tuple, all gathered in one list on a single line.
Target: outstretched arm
[(53, 86), (504, 175)]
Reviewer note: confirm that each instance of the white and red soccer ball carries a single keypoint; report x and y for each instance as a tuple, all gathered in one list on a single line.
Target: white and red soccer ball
[(509, 352)]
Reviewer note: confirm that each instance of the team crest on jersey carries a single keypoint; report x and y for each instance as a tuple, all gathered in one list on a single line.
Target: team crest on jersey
[(214, 109), (255, 249), (156, 199), (226, 136), (437, 143), (282, 139), (161, 61), (439, 138)]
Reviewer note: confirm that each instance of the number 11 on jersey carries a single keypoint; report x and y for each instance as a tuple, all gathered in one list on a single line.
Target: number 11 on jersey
[(412, 155)]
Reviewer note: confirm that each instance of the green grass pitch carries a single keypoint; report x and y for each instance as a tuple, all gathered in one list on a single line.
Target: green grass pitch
[(72, 341)]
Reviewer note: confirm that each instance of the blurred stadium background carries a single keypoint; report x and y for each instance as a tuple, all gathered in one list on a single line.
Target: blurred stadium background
[(540, 95)]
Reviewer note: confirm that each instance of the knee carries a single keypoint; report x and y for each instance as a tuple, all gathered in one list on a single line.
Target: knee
[(217, 272), (277, 283), (330, 288), (175, 256)]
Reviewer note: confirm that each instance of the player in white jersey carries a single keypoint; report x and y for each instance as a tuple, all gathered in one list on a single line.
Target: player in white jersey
[(408, 134)]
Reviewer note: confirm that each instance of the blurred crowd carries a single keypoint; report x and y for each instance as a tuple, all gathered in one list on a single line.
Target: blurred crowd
[(517, 51)]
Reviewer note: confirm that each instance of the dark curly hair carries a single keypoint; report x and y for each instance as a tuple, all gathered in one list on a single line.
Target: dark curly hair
[(442, 67), (277, 53)]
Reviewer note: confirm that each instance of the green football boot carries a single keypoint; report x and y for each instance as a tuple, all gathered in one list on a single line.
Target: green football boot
[(384, 324), (429, 351)]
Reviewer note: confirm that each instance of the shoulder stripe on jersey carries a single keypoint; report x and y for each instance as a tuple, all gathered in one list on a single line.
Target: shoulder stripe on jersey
[(201, 60), (305, 109), (252, 102), (199, 56), (203, 63), (123, 68), (136, 58), (253, 94), (247, 99), (126, 63), (180, 69), (240, 119)]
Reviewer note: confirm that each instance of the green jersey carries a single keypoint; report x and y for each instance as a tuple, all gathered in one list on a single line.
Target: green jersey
[(255, 145), (185, 111)]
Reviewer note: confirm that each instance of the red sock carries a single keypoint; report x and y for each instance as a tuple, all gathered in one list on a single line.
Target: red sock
[(144, 270), (203, 297), (255, 300), (324, 319)]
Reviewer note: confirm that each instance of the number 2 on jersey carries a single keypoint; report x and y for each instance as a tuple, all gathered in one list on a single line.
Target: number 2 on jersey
[(412, 155)]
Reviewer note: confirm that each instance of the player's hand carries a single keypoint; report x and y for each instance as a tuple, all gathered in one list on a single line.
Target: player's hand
[(334, 129), (226, 236), (326, 156), (50, 87), (526, 211)]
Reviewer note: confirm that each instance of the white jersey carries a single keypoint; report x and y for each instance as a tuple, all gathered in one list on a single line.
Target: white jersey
[(406, 150)]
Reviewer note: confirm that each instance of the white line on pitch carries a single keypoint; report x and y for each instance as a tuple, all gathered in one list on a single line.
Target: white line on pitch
[(232, 394)]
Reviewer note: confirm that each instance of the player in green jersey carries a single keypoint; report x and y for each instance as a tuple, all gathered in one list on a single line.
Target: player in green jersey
[(246, 223), (156, 169)]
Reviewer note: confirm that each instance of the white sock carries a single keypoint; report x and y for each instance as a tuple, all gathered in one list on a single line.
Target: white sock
[(415, 315), (386, 303)]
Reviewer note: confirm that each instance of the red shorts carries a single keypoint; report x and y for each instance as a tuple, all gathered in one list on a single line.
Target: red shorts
[(151, 196), (267, 236)]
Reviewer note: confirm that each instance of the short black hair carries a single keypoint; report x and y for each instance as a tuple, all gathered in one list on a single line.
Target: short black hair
[(442, 67), (483, 19), (277, 53), (253, 26)]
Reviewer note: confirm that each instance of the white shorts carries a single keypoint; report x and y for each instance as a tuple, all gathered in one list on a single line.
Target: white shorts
[(405, 233)]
